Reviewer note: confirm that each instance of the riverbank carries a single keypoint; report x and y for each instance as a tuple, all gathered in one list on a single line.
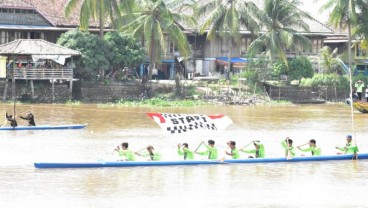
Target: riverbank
[(165, 93)]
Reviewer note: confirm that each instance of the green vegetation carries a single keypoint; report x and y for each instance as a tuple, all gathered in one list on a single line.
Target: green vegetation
[(114, 51), (158, 102), (225, 18), (73, 102), (154, 18), (326, 80), (281, 19)]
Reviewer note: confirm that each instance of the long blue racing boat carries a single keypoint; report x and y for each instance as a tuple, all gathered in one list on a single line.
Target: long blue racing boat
[(44, 127), (102, 164)]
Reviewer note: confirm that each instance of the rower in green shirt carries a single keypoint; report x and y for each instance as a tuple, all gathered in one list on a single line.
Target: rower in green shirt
[(316, 151), (349, 148), (287, 144), (184, 151), (151, 154), (258, 151), (211, 150), (124, 153), (234, 153)]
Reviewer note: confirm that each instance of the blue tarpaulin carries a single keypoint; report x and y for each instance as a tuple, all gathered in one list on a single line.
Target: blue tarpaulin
[(233, 60)]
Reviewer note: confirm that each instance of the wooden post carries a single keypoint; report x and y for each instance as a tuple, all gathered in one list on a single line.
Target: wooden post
[(5, 89), (53, 90), (32, 89), (71, 89)]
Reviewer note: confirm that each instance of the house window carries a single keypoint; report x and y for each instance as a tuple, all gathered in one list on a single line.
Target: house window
[(3, 37), (245, 43), (169, 45), (360, 52), (224, 45)]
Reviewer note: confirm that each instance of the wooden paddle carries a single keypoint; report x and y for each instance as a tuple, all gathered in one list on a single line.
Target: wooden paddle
[(137, 152), (195, 151), (288, 155), (247, 145), (302, 145)]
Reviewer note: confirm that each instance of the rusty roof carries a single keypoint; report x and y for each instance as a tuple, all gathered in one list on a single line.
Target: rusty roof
[(52, 10), (35, 47)]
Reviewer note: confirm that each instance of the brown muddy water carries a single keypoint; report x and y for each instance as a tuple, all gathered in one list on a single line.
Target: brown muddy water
[(309, 184)]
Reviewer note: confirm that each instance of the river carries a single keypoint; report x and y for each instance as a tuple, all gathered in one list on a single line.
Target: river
[(309, 184)]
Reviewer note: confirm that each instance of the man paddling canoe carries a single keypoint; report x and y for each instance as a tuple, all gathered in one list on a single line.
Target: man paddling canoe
[(234, 153), (124, 153), (349, 148), (30, 118), (11, 119), (316, 151), (184, 151), (287, 144), (258, 150), (151, 153), (211, 150)]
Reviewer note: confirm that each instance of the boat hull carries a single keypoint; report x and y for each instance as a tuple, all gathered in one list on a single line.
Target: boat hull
[(44, 127), (361, 106), (101, 164)]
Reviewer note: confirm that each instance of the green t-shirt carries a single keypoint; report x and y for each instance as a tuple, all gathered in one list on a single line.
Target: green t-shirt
[(188, 155), (359, 87), (349, 148), (259, 153), (288, 149), (235, 153), (316, 151), (128, 155), (211, 152), (155, 157)]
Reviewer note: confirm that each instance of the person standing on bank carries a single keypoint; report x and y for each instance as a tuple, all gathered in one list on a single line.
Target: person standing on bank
[(359, 85), (366, 94)]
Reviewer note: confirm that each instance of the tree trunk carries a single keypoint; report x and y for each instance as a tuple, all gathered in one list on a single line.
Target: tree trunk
[(101, 21), (152, 58), (177, 85)]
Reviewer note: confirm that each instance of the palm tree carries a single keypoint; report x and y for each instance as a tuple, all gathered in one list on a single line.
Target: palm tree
[(98, 10), (283, 23), (328, 60), (154, 20), (225, 18), (343, 15)]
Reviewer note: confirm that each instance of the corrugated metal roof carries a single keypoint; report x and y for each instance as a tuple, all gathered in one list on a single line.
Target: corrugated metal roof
[(35, 47)]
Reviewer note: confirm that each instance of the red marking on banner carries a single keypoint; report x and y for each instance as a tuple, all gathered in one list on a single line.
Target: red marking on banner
[(162, 119), (215, 116)]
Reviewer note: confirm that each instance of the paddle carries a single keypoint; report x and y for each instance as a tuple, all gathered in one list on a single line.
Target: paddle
[(248, 145), (137, 152), (198, 147), (288, 154), (302, 145)]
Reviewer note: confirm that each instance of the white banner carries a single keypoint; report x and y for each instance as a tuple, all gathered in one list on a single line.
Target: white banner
[(181, 123)]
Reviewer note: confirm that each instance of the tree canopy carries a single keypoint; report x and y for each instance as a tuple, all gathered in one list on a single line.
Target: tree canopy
[(114, 51)]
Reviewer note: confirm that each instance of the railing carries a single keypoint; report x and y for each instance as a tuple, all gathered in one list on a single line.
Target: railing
[(40, 73)]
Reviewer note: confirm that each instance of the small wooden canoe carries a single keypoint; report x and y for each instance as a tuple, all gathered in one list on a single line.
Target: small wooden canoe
[(361, 106)]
